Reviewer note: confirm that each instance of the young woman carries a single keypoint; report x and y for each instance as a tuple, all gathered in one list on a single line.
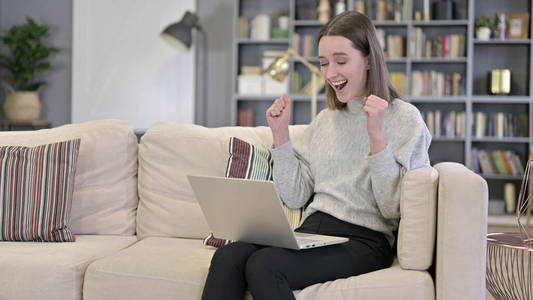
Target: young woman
[(346, 167)]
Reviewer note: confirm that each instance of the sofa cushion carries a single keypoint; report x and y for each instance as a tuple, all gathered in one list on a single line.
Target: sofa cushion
[(392, 283), (154, 268), (105, 193), (54, 270), (169, 152), (461, 233), (36, 185), (418, 208), (172, 268)]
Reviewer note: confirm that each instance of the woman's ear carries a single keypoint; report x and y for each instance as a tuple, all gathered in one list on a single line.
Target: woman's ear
[(367, 62)]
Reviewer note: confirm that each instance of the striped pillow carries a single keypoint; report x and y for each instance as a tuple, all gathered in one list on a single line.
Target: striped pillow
[(36, 187), (251, 162)]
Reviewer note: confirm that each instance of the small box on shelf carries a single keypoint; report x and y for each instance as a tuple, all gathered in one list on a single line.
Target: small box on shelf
[(250, 84)]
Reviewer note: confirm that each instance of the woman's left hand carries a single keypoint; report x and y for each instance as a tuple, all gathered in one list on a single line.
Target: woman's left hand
[(375, 109)]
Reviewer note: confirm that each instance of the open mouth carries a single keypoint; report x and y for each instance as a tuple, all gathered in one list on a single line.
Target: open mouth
[(339, 85)]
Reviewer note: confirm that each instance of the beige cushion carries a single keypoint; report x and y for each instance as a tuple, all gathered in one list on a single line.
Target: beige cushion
[(418, 208), (105, 193), (172, 268), (52, 270), (154, 268), (167, 154), (392, 283)]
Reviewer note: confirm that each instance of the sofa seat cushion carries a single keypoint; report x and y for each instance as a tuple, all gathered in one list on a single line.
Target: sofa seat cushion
[(391, 283), (154, 268), (54, 270), (173, 268)]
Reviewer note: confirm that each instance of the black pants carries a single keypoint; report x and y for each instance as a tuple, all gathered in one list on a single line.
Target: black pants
[(272, 273)]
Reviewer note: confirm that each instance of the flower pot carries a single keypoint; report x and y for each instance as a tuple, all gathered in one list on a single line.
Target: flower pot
[(283, 22), (483, 33), (21, 106)]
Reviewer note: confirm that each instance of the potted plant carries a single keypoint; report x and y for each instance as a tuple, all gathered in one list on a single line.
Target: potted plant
[(484, 26), (25, 61)]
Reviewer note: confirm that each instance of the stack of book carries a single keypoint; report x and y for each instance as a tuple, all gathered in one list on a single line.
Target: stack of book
[(451, 124), (497, 162), (304, 44), (445, 46), (436, 84), (500, 125), (393, 44), (383, 10)]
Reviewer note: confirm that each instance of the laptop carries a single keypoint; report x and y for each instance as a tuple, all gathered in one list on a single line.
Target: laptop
[(251, 211)]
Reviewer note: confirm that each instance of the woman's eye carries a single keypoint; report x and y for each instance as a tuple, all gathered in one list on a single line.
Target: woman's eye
[(341, 62), (323, 64)]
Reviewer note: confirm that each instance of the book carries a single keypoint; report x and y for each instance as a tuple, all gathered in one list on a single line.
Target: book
[(485, 162), (498, 162), (508, 158), (245, 117), (475, 160), (518, 164)]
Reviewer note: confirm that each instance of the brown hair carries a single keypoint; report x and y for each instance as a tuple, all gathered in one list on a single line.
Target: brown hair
[(359, 29)]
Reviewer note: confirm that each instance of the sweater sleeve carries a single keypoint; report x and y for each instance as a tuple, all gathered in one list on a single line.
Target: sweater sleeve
[(292, 174), (409, 151)]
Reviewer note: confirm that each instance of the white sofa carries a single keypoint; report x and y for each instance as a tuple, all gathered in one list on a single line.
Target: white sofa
[(139, 229)]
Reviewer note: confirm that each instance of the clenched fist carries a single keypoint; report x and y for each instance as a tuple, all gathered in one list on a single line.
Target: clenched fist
[(278, 116), (375, 109)]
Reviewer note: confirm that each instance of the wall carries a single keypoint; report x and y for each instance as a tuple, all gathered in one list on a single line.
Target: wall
[(123, 69), (216, 18)]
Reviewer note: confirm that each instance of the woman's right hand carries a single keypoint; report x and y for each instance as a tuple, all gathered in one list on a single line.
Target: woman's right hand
[(278, 116)]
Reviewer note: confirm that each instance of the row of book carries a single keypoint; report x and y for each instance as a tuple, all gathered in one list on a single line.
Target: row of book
[(500, 124), (383, 10), (245, 117), (496, 162), (450, 124), (393, 44), (437, 84), (444, 46), (304, 44)]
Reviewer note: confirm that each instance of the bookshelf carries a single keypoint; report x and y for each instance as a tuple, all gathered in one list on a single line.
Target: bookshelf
[(476, 59)]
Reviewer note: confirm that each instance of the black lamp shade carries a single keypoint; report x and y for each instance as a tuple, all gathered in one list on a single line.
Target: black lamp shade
[(181, 31)]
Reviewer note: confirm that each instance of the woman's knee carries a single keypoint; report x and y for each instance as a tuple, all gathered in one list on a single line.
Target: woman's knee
[(233, 254), (266, 260)]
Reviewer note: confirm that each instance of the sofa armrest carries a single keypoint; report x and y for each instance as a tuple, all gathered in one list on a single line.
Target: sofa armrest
[(461, 233)]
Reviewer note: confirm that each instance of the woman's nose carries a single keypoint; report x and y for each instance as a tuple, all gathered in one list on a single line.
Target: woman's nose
[(330, 71)]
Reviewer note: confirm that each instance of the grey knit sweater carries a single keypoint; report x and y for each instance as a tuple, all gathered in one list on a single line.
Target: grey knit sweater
[(332, 160)]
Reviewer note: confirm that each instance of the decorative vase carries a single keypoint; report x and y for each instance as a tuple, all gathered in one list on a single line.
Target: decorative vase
[(21, 106), (483, 33)]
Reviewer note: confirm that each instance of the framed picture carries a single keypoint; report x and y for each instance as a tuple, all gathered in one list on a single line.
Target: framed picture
[(517, 26)]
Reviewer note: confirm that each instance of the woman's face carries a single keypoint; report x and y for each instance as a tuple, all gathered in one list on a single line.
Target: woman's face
[(343, 66)]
